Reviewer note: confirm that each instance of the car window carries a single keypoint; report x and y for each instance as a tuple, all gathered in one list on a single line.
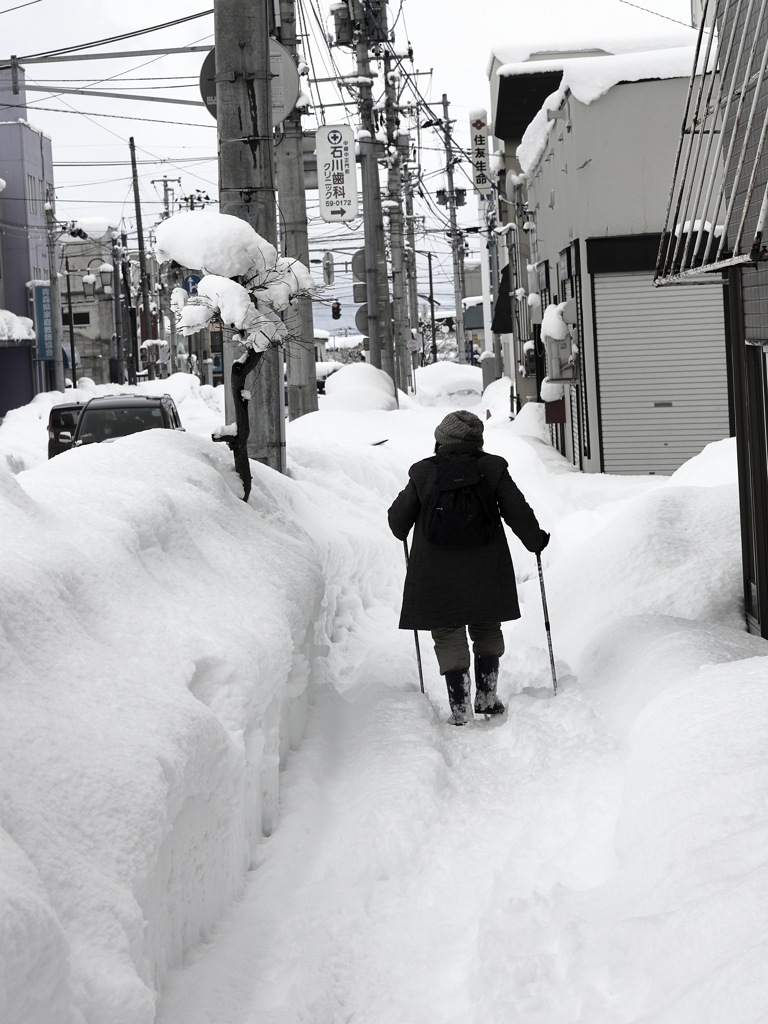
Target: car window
[(103, 424), (63, 419)]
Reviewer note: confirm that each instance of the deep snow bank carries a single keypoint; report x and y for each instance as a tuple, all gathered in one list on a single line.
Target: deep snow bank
[(146, 710)]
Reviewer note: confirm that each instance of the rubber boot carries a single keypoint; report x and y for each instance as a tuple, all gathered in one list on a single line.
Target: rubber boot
[(486, 678), (459, 685)]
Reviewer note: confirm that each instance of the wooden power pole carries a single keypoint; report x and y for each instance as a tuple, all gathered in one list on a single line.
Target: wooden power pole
[(377, 287), (247, 188), (294, 239), (457, 241)]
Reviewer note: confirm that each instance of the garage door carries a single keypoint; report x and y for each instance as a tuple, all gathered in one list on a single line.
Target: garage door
[(662, 371)]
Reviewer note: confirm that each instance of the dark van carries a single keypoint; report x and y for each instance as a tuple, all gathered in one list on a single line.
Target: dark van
[(104, 419)]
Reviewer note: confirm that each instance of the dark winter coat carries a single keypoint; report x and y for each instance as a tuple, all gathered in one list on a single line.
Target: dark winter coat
[(456, 586)]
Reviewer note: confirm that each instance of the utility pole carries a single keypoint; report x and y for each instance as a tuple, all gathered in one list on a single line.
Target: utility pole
[(413, 287), (247, 190), (294, 237), (457, 246), (147, 332), (53, 278), (432, 309), (396, 240), (377, 289), (118, 309), (125, 266), (71, 326), (165, 182)]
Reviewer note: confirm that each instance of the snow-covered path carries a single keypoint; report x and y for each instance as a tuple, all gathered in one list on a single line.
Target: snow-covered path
[(401, 842)]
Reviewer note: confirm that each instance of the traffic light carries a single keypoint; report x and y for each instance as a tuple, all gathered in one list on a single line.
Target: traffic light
[(336, 310)]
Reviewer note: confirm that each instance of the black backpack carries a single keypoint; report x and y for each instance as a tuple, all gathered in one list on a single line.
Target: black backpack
[(461, 510)]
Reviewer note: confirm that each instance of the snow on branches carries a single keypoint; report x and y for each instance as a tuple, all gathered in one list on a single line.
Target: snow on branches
[(245, 283)]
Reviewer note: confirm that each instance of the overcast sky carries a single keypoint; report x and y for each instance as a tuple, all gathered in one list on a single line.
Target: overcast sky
[(453, 40)]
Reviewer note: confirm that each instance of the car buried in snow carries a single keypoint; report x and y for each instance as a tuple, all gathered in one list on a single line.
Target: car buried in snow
[(113, 416), (62, 422)]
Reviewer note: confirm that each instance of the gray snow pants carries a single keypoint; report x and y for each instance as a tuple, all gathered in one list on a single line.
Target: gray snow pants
[(452, 649)]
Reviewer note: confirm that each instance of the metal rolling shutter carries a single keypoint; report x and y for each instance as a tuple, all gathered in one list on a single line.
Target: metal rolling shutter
[(575, 439), (662, 371)]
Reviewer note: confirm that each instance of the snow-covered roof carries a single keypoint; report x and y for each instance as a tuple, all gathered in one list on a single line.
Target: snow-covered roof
[(555, 29), (344, 341), (472, 300), (589, 78)]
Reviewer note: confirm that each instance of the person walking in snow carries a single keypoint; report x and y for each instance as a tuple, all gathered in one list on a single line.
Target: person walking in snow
[(460, 571)]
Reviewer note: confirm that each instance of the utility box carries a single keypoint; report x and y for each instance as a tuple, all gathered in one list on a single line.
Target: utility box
[(376, 21), (342, 24), (561, 361)]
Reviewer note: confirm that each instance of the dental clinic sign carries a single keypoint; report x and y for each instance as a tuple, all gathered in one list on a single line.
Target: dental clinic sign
[(336, 172), (478, 129)]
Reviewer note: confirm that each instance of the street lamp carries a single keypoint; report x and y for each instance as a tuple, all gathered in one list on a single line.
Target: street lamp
[(89, 279)]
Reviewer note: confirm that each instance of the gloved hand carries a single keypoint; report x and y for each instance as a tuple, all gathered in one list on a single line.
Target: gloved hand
[(543, 542)]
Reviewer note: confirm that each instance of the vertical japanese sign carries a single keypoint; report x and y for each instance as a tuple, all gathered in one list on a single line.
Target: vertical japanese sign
[(44, 321), (478, 128), (336, 172)]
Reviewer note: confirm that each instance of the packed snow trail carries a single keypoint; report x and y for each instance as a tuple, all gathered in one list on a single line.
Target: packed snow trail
[(374, 899)]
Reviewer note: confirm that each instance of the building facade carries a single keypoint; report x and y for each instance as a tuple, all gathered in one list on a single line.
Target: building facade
[(649, 376)]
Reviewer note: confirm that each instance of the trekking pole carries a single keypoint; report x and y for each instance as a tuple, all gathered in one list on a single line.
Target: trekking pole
[(546, 622), (415, 632)]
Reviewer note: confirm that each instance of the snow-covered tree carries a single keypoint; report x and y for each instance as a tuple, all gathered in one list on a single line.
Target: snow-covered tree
[(245, 286)]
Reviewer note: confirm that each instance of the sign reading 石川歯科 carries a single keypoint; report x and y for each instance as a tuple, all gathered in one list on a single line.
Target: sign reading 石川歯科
[(478, 133), (44, 321), (336, 172)]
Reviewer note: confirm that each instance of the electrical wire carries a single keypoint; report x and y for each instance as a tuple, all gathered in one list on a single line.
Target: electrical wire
[(114, 39), (647, 11), (19, 6), (119, 117)]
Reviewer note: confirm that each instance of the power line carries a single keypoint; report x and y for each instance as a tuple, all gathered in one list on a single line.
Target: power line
[(114, 39), (119, 117), (19, 6)]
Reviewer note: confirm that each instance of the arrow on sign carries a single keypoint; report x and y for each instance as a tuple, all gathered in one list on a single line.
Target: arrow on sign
[(339, 213)]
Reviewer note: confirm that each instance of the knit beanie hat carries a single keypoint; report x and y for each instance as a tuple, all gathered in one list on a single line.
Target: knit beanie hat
[(460, 427)]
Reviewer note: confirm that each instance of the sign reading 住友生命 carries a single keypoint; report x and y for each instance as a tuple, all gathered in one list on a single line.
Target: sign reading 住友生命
[(478, 133), (336, 172), (44, 321)]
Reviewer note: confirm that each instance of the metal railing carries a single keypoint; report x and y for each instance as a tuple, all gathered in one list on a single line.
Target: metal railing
[(718, 203)]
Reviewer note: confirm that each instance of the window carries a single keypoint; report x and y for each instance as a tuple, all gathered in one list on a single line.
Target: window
[(32, 193), (78, 319)]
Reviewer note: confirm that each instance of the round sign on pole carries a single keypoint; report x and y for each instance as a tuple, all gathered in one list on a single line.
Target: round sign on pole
[(361, 318), (285, 84)]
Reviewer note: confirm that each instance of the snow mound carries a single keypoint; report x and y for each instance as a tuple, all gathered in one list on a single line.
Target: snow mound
[(497, 401), (447, 383), (358, 387), (675, 551), (714, 466)]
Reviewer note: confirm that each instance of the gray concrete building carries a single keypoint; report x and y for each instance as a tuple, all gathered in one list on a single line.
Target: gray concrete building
[(26, 165)]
